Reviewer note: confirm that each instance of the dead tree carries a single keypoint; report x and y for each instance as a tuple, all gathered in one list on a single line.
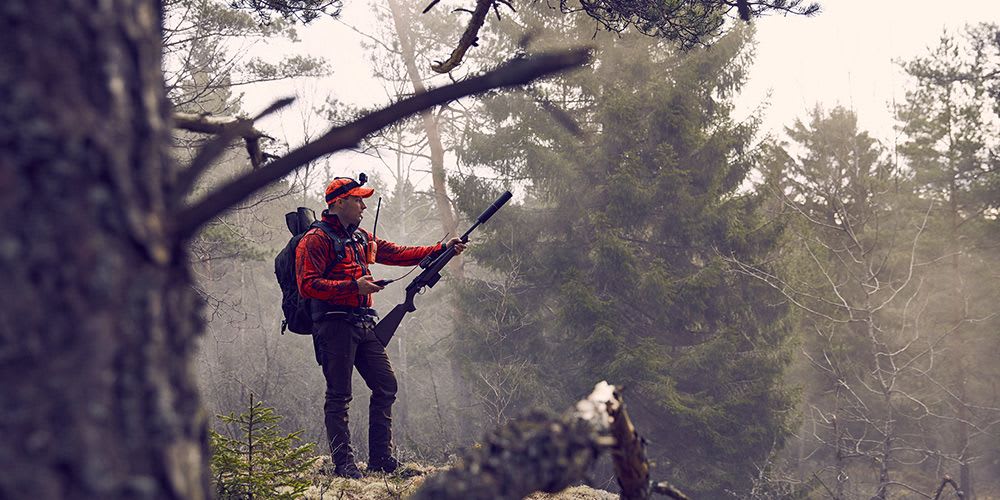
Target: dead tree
[(545, 452)]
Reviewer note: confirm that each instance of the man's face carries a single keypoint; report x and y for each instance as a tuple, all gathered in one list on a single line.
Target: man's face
[(351, 210)]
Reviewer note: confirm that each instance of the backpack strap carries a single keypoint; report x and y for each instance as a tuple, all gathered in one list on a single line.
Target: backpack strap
[(338, 242)]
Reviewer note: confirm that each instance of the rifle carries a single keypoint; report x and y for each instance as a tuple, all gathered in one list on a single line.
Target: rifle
[(429, 277)]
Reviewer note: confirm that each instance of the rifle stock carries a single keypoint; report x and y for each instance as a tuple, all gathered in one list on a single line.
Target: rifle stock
[(387, 326)]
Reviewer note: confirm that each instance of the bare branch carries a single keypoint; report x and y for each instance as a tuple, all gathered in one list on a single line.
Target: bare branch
[(947, 480), (517, 72)]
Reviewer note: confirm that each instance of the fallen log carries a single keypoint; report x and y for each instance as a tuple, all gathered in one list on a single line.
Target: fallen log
[(545, 452)]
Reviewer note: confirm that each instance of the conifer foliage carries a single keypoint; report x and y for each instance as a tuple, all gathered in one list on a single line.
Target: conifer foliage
[(255, 459), (610, 267)]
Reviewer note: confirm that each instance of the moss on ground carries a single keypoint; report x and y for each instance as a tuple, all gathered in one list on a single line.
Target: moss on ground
[(400, 486)]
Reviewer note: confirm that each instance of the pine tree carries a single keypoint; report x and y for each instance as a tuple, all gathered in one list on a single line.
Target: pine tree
[(256, 460), (610, 266)]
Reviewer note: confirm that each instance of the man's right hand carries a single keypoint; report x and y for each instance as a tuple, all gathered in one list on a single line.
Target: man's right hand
[(366, 286)]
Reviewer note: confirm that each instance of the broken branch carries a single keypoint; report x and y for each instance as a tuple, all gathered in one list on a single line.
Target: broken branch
[(536, 452), (468, 38), (226, 129), (542, 452), (629, 455)]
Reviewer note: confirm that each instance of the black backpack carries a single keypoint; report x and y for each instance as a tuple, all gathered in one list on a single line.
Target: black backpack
[(298, 317)]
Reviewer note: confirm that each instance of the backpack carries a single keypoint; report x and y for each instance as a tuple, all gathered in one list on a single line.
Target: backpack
[(296, 309)]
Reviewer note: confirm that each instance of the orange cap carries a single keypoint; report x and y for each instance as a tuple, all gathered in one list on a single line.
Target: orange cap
[(342, 187)]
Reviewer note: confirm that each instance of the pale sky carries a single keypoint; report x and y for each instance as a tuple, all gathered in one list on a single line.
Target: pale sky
[(844, 55)]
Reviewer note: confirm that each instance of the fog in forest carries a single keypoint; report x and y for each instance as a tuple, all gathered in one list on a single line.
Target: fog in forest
[(803, 313)]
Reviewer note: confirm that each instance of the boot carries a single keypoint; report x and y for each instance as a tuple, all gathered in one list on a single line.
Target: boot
[(339, 435), (386, 464), (347, 469)]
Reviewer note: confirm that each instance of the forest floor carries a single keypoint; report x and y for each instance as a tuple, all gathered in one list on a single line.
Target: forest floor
[(397, 486)]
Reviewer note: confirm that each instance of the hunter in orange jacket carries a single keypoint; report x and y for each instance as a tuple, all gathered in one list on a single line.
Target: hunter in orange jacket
[(337, 284), (346, 340)]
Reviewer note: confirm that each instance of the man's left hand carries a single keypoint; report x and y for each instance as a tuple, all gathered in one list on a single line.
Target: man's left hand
[(458, 244)]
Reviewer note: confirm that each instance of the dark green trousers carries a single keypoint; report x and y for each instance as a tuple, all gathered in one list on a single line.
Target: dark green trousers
[(342, 346)]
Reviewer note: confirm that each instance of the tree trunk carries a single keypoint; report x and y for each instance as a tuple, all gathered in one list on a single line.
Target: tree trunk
[(99, 317), (841, 462), (449, 224), (958, 312), (888, 432), (445, 214)]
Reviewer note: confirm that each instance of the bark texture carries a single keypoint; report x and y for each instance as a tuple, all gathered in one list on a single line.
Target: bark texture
[(98, 319)]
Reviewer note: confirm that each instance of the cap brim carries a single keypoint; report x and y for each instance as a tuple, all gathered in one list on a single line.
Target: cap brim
[(361, 192)]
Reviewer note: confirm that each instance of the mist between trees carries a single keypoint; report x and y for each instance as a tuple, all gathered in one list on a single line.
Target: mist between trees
[(811, 315), (830, 332)]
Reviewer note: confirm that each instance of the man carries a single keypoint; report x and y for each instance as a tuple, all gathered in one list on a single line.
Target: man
[(341, 289)]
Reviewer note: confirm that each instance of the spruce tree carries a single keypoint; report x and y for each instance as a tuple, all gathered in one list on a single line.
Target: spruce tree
[(610, 266), (256, 459)]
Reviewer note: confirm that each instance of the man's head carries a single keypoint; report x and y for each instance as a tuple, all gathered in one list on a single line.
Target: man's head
[(345, 199)]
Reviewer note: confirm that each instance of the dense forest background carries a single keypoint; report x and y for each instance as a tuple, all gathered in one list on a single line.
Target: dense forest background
[(804, 314)]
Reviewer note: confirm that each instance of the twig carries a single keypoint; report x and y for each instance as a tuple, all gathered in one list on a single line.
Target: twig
[(559, 115), (430, 6), (665, 488), (825, 487)]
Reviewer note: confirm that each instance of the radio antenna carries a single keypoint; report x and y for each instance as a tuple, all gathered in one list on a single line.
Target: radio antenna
[(375, 226)]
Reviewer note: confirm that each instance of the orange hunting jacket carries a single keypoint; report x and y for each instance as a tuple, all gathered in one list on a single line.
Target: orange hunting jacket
[(321, 277)]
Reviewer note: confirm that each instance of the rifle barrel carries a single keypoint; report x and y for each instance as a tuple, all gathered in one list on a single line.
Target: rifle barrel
[(385, 328), (485, 216), (501, 201)]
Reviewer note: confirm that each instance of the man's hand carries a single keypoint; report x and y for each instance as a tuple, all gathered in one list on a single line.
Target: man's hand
[(458, 244), (366, 286)]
